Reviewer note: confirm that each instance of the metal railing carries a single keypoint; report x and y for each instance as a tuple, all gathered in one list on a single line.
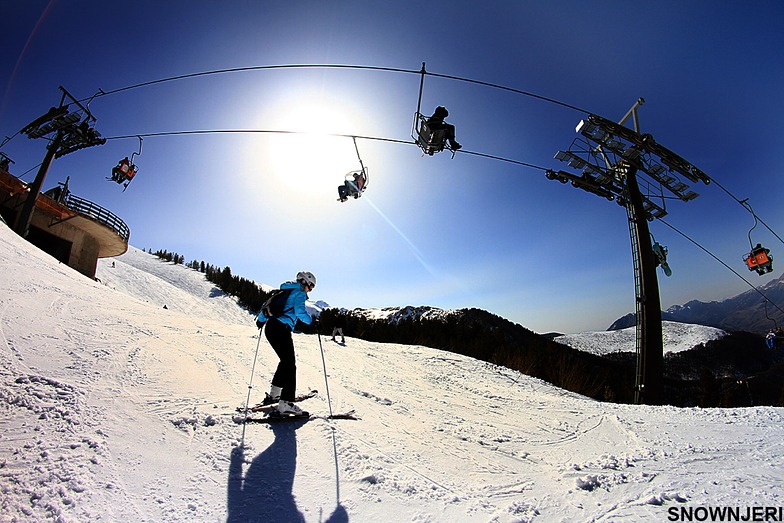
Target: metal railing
[(99, 214)]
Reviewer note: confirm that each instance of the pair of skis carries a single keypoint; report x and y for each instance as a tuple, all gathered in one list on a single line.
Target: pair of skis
[(271, 414), (275, 417), (269, 406)]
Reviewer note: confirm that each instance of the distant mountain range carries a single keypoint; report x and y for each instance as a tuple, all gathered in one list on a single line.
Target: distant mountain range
[(747, 311), (490, 338), (703, 365)]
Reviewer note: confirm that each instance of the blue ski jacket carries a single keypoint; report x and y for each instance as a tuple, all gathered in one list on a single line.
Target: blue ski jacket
[(295, 306)]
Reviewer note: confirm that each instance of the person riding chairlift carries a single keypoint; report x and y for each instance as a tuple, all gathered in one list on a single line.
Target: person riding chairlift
[(352, 187), (436, 123), (123, 171), (759, 260)]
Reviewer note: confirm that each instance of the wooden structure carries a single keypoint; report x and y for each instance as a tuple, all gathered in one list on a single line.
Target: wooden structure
[(75, 231)]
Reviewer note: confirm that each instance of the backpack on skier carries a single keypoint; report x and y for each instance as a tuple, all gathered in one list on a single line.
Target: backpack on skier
[(275, 305)]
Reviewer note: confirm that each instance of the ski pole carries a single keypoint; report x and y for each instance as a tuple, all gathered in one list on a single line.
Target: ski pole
[(250, 387), (326, 381)]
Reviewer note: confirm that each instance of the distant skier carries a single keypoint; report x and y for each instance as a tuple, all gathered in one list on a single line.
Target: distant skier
[(436, 123), (770, 339), (340, 324), (278, 331)]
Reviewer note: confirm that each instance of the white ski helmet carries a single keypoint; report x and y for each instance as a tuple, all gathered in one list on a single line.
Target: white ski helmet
[(307, 278)]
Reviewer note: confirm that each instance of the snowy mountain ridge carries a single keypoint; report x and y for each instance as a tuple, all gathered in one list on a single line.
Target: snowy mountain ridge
[(395, 315), (748, 311), (676, 337)]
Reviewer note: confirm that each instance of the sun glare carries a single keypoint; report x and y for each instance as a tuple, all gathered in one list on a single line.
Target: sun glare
[(309, 152), (306, 154)]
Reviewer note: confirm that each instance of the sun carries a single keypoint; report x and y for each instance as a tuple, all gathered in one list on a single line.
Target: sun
[(313, 147)]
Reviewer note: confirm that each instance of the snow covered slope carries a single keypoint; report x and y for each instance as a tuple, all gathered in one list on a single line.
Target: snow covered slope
[(676, 337), (116, 409), (176, 287)]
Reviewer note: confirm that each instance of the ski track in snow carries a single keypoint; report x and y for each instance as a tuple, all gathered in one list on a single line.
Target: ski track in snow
[(116, 409)]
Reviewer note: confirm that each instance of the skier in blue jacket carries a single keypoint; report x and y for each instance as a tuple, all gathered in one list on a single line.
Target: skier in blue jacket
[(278, 331)]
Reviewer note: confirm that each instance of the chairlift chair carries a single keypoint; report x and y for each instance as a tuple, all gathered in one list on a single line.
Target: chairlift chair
[(759, 260), (354, 185), (429, 140), (355, 182), (123, 172)]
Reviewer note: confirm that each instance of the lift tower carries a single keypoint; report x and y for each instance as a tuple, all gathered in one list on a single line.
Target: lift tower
[(71, 130), (621, 164)]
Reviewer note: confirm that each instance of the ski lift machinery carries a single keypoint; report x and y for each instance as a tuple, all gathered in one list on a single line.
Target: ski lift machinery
[(431, 141)]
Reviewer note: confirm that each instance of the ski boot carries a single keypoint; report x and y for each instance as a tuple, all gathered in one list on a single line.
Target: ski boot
[(288, 408), (273, 396)]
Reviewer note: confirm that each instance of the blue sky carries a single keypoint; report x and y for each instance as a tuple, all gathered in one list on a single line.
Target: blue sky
[(452, 233)]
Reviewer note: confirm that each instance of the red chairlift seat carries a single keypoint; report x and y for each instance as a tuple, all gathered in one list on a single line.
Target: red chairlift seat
[(124, 171), (759, 260), (361, 181)]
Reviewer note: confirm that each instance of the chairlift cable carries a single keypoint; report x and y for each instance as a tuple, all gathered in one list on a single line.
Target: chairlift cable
[(361, 165), (251, 131), (9, 138), (775, 323), (513, 90), (355, 137), (28, 171), (422, 72), (741, 202), (502, 159), (421, 88), (721, 262), (251, 68), (745, 203)]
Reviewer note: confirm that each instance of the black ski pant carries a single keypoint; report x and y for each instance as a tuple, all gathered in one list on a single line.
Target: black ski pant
[(279, 336)]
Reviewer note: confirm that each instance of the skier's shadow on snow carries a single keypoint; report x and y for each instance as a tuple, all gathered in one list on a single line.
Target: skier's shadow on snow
[(264, 493)]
